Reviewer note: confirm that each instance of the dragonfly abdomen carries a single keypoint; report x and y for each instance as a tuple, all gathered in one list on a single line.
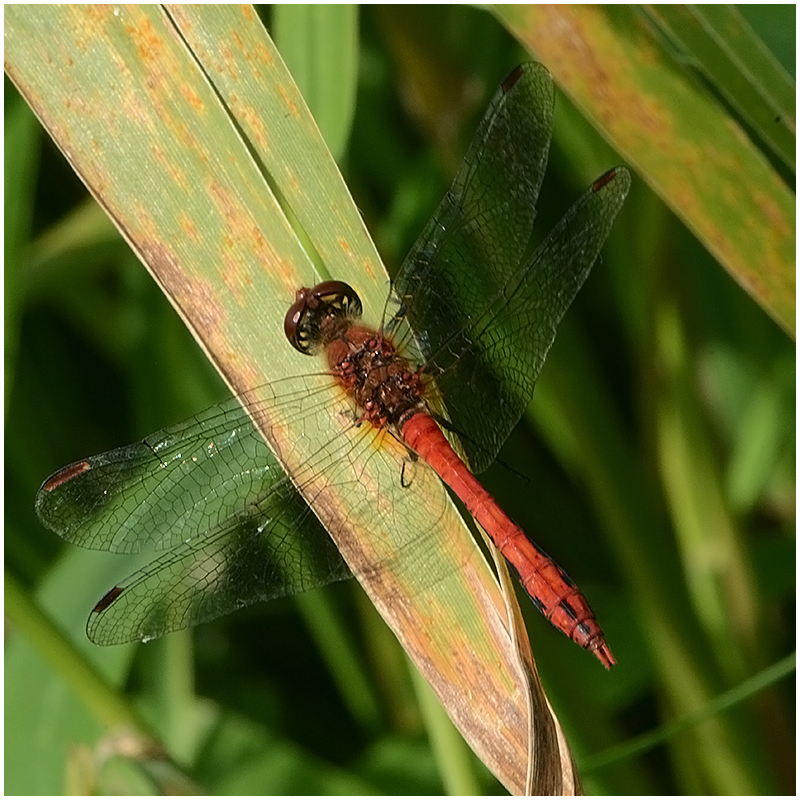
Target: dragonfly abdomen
[(551, 590)]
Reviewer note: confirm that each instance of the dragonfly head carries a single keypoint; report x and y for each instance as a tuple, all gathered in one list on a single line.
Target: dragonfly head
[(319, 315)]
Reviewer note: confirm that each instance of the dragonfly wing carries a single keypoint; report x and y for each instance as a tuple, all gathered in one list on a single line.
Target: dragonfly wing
[(211, 493), (475, 240), (276, 546), (187, 478), (234, 529), (483, 314), (254, 555), (499, 357)]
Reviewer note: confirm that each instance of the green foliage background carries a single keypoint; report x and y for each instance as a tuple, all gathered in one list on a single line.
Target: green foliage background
[(666, 373)]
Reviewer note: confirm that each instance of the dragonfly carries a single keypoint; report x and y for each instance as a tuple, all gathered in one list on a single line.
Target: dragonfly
[(468, 323)]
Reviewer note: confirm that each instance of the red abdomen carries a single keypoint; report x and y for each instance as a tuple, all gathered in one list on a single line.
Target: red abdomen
[(550, 588)]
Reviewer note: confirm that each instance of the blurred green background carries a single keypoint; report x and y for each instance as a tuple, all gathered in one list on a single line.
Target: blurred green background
[(656, 464)]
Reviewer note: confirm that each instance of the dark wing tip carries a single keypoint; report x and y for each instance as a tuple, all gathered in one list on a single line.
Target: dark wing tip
[(510, 80), (64, 475), (107, 599)]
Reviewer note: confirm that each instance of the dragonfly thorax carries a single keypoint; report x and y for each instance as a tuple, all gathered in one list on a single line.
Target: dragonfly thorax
[(384, 385)]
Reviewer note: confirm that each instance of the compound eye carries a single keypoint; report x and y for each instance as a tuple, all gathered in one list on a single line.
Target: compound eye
[(338, 297), (292, 321), (304, 324)]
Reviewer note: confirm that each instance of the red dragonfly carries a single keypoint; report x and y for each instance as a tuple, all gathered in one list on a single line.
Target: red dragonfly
[(211, 494)]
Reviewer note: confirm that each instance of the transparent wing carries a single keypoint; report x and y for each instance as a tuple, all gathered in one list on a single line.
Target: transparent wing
[(271, 548), (160, 491), (475, 240), (211, 495), (488, 372), (482, 310)]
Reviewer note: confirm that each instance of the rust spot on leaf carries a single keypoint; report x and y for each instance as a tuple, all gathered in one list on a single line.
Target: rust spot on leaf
[(263, 54), (188, 227), (148, 42), (192, 97), (289, 103)]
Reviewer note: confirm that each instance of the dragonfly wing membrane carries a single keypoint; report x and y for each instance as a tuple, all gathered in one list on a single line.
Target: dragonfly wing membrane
[(186, 478), (482, 315), (254, 555), (501, 356), (476, 238), (155, 492)]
